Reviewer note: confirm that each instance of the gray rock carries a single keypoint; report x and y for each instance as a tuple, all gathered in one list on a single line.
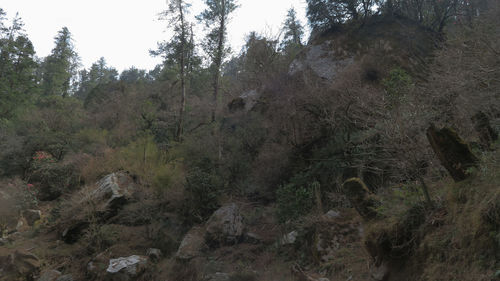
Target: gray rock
[(289, 238), (219, 276), (380, 273), (225, 226), (32, 216), (323, 60), (252, 238), (332, 214), (154, 254), (67, 277), (50, 275), (126, 268), (192, 244)]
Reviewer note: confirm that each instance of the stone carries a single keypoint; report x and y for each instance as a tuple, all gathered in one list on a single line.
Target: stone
[(67, 277), (22, 225), (126, 268), (50, 275), (289, 238), (218, 276), (380, 273), (332, 214), (225, 226), (252, 238), (32, 216), (154, 254), (192, 244), (485, 131), (360, 197), (111, 194), (20, 262), (453, 153)]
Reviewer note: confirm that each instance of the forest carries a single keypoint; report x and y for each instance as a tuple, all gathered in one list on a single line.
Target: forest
[(368, 151)]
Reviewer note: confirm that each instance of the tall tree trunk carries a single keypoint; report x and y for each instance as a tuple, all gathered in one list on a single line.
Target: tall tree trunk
[(183, 74), (218, 59)]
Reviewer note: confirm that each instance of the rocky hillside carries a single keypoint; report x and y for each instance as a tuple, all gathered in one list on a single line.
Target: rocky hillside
[(372, 155)]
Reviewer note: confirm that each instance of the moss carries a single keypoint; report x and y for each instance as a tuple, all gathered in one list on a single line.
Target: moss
[(360, 197)]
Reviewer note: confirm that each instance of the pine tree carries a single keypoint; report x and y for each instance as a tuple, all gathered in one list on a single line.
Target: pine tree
[(292, 32), (17, 66), (60, 66), (216, 17), (179, 50)]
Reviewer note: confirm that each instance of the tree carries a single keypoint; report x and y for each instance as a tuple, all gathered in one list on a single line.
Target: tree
[(17, 66), (323, 14), (98, 74), (216, 17), (60, 66), (292, 32), (179, 50)]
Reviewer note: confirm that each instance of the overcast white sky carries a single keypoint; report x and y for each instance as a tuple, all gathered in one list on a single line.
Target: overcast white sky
[(123, 31)]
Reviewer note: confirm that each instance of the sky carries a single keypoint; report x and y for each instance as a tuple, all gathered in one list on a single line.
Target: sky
[(123, 31)]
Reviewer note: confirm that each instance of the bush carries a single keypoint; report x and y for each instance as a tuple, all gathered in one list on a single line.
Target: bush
[(201, 193), (51, 177), (294, 201), (397, 85)]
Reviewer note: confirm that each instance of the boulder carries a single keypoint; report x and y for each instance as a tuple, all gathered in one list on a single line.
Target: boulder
[(50, 275), (126, 268), (453, 153), (360, 197), (225, 226), (192, 244), (289, 238), (111, 193), (154, 254), (485, 131), (20, 263), (32, 216)]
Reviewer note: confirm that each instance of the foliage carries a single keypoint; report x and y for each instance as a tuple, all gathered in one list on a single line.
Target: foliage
[(202, 192), (294, 201), (397, 85), (60, 66), (293, 32), (17, 68)]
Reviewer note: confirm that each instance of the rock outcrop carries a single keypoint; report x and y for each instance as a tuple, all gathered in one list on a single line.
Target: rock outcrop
[(192, 244), (361, 198), (225, 226), (126, 268), (453, 153)]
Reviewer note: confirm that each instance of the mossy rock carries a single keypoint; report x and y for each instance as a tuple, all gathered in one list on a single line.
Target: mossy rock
[(453, 152), (360, 197)]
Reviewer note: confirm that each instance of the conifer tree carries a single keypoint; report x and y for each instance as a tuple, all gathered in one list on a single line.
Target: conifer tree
[(216, 17), (60, 66)]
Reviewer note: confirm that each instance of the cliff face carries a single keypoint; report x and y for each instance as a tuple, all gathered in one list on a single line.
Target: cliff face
[(380, 43)]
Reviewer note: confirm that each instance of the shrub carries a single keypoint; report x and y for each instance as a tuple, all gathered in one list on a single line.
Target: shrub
[(294, 201), (51, 177), (397, 85), (201, 192)]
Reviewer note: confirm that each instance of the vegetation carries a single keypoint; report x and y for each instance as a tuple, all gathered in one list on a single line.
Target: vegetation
[(340, 164)]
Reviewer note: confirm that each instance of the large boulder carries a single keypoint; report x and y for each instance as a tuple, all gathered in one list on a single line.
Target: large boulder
[(453, 153), (192, 244), (225, 226), (360, 197), (111, 193), (126, 268)]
